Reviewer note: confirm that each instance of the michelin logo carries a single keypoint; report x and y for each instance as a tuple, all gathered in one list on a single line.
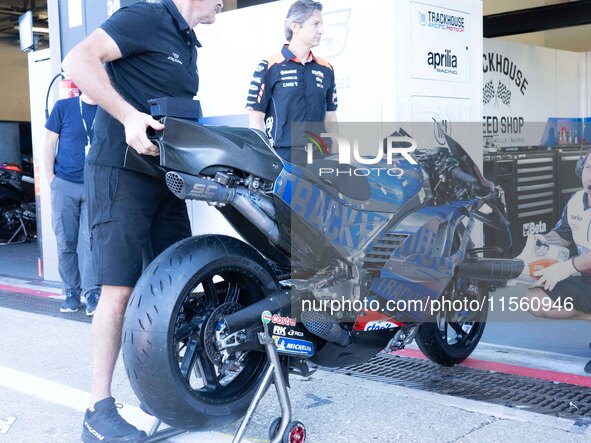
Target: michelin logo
[(294, 346)]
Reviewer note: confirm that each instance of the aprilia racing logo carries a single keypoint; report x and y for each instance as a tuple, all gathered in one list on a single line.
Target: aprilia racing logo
[(443, 21), (444, 62)]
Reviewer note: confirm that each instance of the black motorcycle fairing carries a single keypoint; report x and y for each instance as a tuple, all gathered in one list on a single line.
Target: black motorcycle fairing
[(496, 219), (364, 345), (188, 147), (144, 164), (460, 153), (355, 187), (255, 237), (296, 238)]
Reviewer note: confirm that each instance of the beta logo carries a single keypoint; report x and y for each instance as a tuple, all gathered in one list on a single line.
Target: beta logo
[(379, 325), (534, 228), (294, 346)]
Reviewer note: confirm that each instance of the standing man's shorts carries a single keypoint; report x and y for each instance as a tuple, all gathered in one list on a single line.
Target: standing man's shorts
[(577, 288), (133, 218)]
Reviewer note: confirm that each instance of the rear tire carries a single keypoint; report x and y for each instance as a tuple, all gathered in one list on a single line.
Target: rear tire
[(168, 342)]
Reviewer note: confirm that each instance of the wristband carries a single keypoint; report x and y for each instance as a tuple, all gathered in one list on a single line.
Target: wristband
[(573, 263)]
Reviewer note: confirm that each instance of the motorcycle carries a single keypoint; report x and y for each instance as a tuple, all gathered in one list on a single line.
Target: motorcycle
[(214, 319), (17, 205)]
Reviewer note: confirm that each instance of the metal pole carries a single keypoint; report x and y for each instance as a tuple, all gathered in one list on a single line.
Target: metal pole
[(280, 385), (260, 393)]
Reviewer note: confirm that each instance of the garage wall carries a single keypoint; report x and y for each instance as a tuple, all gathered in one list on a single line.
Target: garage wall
[(14, 73), (543, 83)]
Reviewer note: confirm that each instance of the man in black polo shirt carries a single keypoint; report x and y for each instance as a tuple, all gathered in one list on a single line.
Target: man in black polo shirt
[(294, 85), (141, 52)]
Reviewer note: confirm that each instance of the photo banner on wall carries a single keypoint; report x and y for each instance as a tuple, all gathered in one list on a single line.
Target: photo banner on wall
[(505, 83), (441, 43), (530, 95)]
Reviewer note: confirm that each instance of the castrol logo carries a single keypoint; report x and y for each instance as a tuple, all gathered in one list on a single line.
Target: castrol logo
[(283, 321)]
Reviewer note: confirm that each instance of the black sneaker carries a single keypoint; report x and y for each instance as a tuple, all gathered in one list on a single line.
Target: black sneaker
[(588, 367), (72, 302), (92, 299), (106, 425)]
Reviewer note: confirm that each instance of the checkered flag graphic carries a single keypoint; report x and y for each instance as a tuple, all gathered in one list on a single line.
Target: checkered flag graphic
[(504, 94), (488, 93)]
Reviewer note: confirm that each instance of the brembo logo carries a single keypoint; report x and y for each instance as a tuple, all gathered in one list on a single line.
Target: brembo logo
[(444, 62), (388, 150)]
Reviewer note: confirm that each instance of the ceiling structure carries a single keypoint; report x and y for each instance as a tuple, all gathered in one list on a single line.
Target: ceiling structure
[(11, 10), (559, 24)]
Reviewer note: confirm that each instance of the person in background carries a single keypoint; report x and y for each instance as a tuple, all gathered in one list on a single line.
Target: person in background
[(294, 85), (571, 278), (69, 133), (143, 51)]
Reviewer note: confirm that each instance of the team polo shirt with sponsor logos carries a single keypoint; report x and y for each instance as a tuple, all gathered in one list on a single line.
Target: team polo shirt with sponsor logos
[(575, 223), (159, 59), (288, 91)]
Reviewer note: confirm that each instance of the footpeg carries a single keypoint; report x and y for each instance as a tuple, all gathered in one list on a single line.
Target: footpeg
[(298, 366)]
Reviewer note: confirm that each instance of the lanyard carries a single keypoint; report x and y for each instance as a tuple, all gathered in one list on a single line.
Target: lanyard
[(87, 148)]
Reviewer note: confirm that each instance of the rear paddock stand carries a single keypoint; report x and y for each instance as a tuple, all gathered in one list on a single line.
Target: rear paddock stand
[(294, 431), (281, 427)]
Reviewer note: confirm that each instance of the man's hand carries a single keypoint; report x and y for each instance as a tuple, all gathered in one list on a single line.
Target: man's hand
[(551, 275), (540, 238), (135, 124)]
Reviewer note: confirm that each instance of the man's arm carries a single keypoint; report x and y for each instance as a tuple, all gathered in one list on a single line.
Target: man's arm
[(553, 238), (561, 234), (582, 262), (49, 154), (84, 65), (331, 119), (256, 120)]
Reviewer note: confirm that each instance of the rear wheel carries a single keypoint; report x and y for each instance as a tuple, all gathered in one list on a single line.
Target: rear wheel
[(451, 336), (169, 331)]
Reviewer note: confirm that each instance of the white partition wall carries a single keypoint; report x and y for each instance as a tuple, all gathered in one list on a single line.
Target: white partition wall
[(40, 75), (438, 48), (382, 53)]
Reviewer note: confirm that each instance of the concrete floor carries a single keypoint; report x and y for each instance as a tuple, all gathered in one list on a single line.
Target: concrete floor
[(44, 385)]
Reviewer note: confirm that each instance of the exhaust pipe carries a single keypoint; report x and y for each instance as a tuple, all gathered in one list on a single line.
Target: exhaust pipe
[(491, 269), (326, 327), (257, 210), (318, 323), (279, 301), (189, 187), (244, 204)]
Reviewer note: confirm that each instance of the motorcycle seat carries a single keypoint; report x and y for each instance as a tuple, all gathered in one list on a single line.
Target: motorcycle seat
[(240, 136)]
